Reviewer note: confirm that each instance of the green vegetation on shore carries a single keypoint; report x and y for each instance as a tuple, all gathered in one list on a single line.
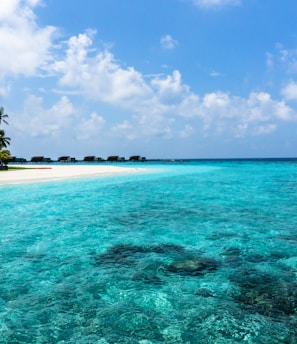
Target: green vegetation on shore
[(16, 168), (4, 141)]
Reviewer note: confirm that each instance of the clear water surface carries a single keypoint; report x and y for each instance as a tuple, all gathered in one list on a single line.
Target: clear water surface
[(193, 252)]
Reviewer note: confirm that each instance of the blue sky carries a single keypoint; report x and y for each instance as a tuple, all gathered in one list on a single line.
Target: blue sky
[(157, 78)]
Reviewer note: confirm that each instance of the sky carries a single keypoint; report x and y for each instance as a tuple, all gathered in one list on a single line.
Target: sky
[(156, 78)]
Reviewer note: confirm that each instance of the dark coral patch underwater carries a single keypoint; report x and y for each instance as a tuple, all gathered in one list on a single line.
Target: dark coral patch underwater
[(167, 258), (273, 296)]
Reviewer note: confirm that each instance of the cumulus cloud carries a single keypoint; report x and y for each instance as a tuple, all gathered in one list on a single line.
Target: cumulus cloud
[(258, 107), (144, 126), (140, 107), (289, 59), (221, 112), (99, 77), (290, 91), (125, 130), (216, 3), (41, 121), (155, 102), (284, 58), (167, 42), (170, 89), (25, 46), (90, 128)]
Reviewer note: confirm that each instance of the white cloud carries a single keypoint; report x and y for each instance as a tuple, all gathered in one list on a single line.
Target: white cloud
[(24, 46), (170, 89), (7, 8), (286, 57), (144, 126), (290, 91), (124, 130), (90, 128), (155, 124), (50, 122), (153, 103), (140, 107), (221, 112), (258, 107), (218, 101), (99, 77), (265, 129), (167, 42), (215, 74), (216, 3), (34, 3)]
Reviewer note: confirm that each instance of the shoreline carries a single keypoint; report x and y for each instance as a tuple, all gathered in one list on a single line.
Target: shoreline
[(46, 173)]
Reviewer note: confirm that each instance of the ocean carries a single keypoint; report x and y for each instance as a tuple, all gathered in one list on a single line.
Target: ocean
[(201, 251)]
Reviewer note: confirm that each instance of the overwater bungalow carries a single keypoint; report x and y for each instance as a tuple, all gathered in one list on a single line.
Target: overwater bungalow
[(64, 158), (113, 158), (137, 158), (40, 158), (89, 158)]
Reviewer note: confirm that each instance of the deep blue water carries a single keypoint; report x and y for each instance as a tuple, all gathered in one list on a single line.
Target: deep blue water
[(193, 252)]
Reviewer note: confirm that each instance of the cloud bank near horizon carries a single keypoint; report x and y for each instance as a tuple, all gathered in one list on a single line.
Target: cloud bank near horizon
[(161, 106)]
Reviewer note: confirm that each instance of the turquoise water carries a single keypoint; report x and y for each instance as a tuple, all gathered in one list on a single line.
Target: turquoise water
[(194, 252)]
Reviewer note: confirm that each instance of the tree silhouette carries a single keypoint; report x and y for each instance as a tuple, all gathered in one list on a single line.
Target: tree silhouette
[(4, 141), (3, 116)]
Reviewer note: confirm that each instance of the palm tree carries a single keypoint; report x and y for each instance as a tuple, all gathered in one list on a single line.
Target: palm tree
[(3, 116), (4, 141), (4, 156)]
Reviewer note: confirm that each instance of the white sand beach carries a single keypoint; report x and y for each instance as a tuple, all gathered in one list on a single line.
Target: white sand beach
[(42, 173)]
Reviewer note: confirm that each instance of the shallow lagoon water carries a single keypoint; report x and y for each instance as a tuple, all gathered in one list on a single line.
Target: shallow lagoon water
[(193, 252)]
